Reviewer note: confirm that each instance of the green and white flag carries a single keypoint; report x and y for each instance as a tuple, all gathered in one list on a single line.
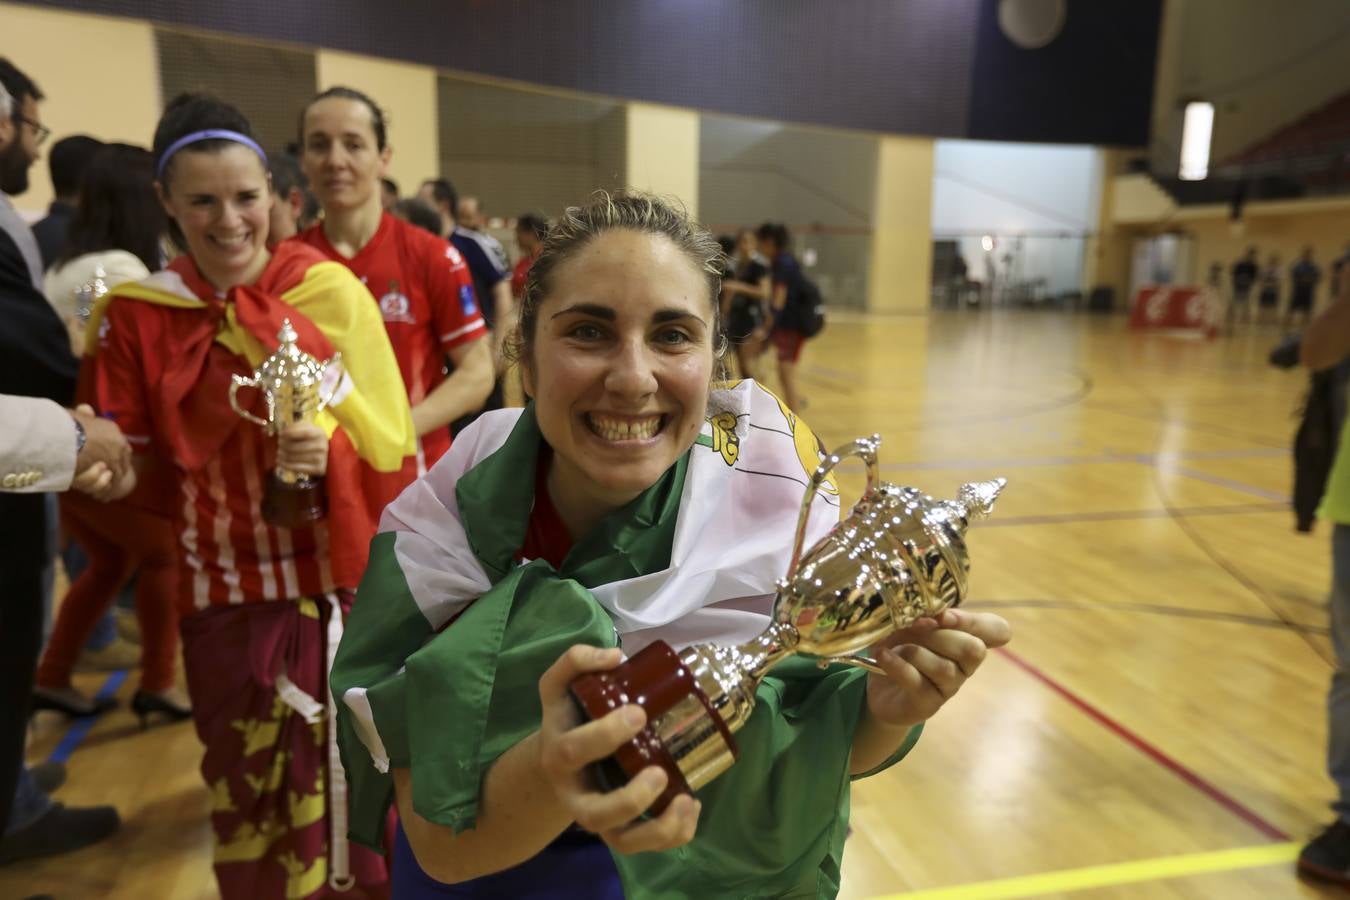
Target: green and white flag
[(693, 559)]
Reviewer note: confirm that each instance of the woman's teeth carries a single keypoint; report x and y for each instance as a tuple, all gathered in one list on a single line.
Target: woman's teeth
[(231, 243), (624, 429)]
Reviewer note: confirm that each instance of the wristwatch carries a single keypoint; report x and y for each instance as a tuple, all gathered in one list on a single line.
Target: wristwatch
[(80, 436)]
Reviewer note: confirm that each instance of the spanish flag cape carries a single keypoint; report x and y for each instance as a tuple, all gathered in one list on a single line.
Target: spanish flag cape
[(692, 559), (331, 311)]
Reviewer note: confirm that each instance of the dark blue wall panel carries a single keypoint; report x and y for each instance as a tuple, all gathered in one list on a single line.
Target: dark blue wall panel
[(937, 67)]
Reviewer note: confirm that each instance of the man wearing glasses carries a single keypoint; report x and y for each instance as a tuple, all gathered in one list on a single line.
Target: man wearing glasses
[(35, 362)]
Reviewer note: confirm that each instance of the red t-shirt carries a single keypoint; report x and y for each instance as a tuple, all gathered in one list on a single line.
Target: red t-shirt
[(518, 274), (229, 554), (429, 308), (546, 537)]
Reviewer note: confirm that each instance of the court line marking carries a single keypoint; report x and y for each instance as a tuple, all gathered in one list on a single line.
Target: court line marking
[(1229, 483), (1143, 746), (1129, 514), (79, 728), (1181, 612), (1110, 875), (1104, 458)]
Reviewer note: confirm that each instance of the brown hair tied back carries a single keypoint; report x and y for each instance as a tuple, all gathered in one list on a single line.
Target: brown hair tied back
[(579, 225)]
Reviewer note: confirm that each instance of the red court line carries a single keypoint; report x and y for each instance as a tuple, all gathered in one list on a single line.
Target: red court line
[(1167, 762)]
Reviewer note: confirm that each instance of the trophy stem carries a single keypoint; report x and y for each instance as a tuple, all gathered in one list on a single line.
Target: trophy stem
[(729, 676)]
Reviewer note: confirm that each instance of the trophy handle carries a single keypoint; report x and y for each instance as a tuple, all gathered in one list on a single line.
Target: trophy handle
[(863, 448), (861, 662), (336, 364), (236, 383)]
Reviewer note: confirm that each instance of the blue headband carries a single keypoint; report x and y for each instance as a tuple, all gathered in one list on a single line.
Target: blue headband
[(210, 134)]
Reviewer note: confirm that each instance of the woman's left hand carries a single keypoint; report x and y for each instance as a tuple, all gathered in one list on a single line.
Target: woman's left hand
[(927, 663), (303, 448)]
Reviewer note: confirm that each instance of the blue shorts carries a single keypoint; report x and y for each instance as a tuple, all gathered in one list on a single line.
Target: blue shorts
[(576, 866)]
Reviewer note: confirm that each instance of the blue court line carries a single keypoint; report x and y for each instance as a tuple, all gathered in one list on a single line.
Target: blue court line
[(80, 727)]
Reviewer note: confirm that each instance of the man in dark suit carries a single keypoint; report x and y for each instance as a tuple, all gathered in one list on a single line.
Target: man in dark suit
[(35, 361), (67, 161)]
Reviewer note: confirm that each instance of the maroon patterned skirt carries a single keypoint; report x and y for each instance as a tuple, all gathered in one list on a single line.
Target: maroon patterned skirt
[(258, 677)]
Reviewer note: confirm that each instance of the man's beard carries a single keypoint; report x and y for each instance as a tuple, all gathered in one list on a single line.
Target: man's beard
[(14, 164)]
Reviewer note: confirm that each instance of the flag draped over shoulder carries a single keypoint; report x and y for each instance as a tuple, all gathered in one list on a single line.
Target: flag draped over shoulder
[(331, 312), (693, 559)]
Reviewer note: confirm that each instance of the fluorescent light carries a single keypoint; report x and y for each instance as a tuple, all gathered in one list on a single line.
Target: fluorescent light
[(1196, 129)]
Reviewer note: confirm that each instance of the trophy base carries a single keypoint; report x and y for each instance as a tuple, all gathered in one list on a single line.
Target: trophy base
[(294, 504), (684, 734)]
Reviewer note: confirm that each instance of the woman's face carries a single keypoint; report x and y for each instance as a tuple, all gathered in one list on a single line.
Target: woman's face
[(746, 244), (341, 157), (621, 364), (222, 201)]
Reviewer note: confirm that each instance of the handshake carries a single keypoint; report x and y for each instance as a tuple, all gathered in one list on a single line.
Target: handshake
[(103, 468)]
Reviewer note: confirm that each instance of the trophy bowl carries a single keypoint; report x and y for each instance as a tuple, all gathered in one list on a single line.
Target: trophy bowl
[(292, 384), (899, 556)]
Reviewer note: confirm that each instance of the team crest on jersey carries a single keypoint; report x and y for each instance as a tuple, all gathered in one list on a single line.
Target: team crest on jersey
[(467, 300), (453, 255), (395, 306)]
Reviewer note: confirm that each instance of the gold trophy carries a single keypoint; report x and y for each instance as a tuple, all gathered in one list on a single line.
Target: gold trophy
[(899, 556), (291, 382)]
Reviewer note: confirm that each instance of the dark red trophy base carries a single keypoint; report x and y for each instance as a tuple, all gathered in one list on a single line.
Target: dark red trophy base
[(656, 680), (294, 505)]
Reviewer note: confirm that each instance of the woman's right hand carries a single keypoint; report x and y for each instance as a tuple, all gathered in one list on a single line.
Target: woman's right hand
[(566, 747)]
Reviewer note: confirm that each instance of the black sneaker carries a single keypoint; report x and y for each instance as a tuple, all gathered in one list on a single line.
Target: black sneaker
[(61, 830), (1327, 856)]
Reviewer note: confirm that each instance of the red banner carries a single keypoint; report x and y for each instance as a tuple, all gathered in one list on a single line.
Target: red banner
[(1189, 308)]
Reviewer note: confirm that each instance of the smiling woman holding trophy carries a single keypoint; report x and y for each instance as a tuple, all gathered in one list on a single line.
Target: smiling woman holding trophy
[(637, 509), (272, 523)]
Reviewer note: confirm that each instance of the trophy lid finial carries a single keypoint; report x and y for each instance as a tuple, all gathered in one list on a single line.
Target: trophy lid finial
[(977, 497), (287, 333)]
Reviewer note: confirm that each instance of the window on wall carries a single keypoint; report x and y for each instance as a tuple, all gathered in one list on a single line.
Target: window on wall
[(527, 151), (268, 84)]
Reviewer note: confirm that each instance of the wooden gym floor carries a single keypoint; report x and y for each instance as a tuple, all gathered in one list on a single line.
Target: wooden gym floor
[(1156, 729)]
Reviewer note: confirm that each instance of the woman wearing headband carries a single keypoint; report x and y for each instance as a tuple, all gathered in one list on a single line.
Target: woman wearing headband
[(262, 605), (420, 282)]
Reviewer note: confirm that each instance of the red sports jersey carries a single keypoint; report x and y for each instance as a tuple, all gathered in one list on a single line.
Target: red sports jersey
[(426, 298), (518, 275), (229, 553)]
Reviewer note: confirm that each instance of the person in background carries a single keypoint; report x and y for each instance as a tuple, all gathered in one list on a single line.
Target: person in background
[(1268, 301), (1325, 344), (388, 194), (440, 195), (66, 161), (531, 229), (35, 362), (470, 215), (115, 236), (288, 197), (117, 231), (420, 283), (774, 242), (1243, 277), (745, 298), (492, 284), (491, 276), (417, 212), (1303, 279)]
